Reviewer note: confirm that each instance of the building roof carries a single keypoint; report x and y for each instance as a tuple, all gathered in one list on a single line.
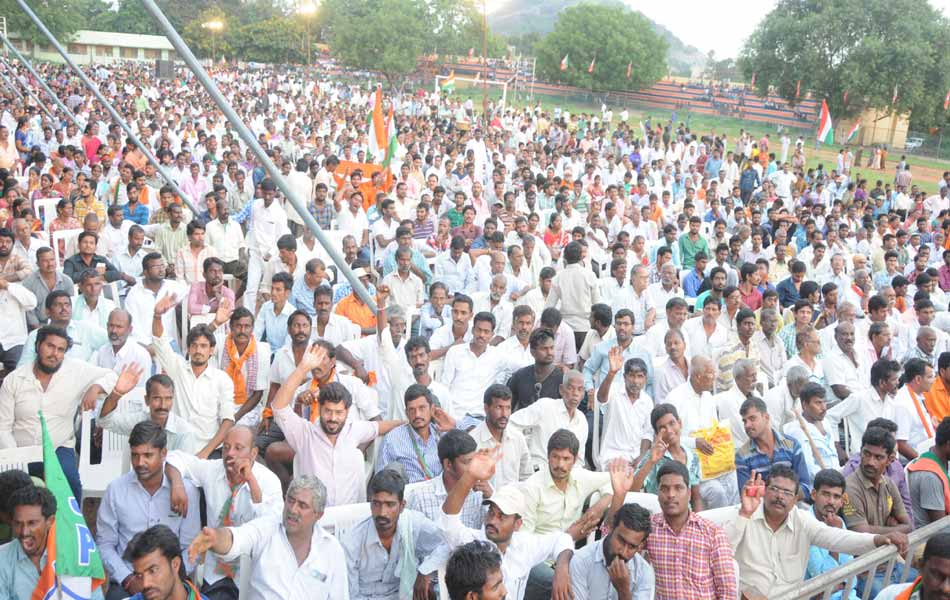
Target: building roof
[(122, 40)]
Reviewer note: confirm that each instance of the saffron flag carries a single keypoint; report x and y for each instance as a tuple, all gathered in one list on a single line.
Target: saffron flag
[(73, 564), (946, 101), (629, 68), (590, 69), (798, 89), (377, 129), (448, 84), (826, 131), (564, 63), (854, 132), (844, 99)]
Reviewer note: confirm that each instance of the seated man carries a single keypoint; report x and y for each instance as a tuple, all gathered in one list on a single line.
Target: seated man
[(627, 434), (691, 556), (767, 448), (246, 361), (237, 489), (933, 573), (547, 415), (415, 444), (376, 547), (828, 496), (666, 448), (10, 481), (614, 564), (514, 465), (87, 337), (156, 559), (204, 297), (292, 556), (894, 471), (90, 305), (33, 511), (456, 449), (135, 501), (330, 449), (773, 520), (159, 397), (927, 476), (812, 431)]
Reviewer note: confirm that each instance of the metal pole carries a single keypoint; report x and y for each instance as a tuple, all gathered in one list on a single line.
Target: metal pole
[(185, 53), (12, 87), (112, 111), (49, 92), (30, 92)]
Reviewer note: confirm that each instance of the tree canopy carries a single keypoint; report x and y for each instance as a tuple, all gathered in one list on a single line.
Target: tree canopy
[(862, 48), (615, 35)]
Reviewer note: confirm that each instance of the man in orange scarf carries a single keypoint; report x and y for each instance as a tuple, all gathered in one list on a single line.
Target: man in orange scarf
[(246, 361), (934, 574)]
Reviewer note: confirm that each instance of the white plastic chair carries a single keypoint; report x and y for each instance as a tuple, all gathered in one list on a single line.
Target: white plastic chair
[(69, 237), (647, 501), (18, 458), (720, 516), (244, 577), (45, 209), (95, 478), (338, 519)]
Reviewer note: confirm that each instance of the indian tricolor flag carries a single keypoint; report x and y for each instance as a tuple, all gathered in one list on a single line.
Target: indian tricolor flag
[(448, 84), (564, 63), (377, 129), (73, 565), (391, 142), (854, 132), (826, 131)]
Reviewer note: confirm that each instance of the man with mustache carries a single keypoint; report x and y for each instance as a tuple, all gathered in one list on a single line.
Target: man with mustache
[(237, 489), (33, 511), (767, 448), (330, 448), (547, 415), (828, 496), (769, 518), (415, 445), (119, 352), (292, 556), (156, 558), (514, 464), (87, 337), (379, 548), (934, 574), (246, 360), (135, 501)]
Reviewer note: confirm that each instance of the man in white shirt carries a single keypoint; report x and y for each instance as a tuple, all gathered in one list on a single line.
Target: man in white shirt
[(452, 267), (119, 351), (268, 223), (470, 368), (292, 556), (813, 432), (15, 301), (627, 432), (547, 415), (914, 423), (514, 462)]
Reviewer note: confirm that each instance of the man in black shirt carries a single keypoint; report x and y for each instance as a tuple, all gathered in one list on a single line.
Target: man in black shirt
[(540, 380)]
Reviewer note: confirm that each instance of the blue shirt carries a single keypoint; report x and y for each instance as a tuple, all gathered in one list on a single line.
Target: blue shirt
[(595, 369), (271, 326), (389, 265), (691, 284), (787, 294), (404, 446), (787, 452), (18, 574), (301, 297), (820, 561), (138, 216)]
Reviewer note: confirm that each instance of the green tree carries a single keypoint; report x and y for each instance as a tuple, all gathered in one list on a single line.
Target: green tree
[(615, 35), (59, 16), (387, 36), (863, 47), (199, 38), (457, 26), (275, 40)]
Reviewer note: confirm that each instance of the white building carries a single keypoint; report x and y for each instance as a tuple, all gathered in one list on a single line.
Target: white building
[(100, 47)]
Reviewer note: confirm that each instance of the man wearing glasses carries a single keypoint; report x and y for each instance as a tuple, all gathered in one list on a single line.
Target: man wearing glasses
[(769, 518)]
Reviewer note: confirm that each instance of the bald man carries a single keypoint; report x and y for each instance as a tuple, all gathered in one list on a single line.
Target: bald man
[(496, 301), (120, 351)]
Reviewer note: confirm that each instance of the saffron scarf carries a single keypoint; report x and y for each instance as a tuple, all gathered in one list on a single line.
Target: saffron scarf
[(234, 367)]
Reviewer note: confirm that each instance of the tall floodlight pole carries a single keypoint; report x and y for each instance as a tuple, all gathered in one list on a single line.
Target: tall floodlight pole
[(105, 102), (49, 92), (185, 53)]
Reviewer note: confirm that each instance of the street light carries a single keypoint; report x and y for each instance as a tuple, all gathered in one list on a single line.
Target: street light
[(307, 10), (214, 25)]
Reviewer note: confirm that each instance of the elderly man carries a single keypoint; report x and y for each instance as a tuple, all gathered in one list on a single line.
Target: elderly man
[(539, 420), (844, 365), (292, 557), (781, 398), (744, 374)]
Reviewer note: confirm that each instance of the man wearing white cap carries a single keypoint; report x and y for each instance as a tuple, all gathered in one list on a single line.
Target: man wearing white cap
[(519, 551)]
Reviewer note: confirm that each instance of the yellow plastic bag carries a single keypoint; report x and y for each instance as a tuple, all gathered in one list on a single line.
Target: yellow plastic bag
[(723, 458)]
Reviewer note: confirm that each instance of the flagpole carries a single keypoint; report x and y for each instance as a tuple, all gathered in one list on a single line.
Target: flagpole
[(485, 60)]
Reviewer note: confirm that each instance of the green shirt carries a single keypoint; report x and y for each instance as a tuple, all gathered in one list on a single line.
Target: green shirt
[(689, 248)]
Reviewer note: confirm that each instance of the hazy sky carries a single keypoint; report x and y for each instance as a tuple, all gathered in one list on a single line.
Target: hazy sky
[(720, 25)]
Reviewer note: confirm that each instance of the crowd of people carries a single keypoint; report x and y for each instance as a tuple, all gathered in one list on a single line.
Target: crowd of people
[(567, 310)]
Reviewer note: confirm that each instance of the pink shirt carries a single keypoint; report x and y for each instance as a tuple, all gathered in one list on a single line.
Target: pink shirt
[(339, 466), (200, 304)]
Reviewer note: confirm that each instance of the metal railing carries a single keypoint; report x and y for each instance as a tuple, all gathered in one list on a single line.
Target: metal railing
[(826, 584)]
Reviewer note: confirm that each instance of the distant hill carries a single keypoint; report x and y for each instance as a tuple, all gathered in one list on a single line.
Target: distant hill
[(517, 17)]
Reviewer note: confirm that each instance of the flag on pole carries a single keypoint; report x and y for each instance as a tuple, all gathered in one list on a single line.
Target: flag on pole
[(629, 69), (826, 131), (73, 564), (798, 89), (844, 100), (753, 81), (590, 69), (564, 63), (448, 84), (894, 97), (854, 132), (377, 129), (946, 101)]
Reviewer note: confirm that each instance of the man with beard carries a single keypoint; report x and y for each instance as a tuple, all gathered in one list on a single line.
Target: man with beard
[(13, 267), (292, 556), (142, 299), (119, 351), (828, 496), (135, 501), (514, 462), (88, 337), (934, 574), (156, 558), (22, 560), (205, 394), (766, 447), (246, 360), (53, 382), (614, 565), (204, 297), (494, 301), (769, 518), (380, 549), (237, 489), (415, 445), (539, 380), (329, 449)]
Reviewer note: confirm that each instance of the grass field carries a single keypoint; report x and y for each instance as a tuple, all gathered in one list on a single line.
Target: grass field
[(927, 171)]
